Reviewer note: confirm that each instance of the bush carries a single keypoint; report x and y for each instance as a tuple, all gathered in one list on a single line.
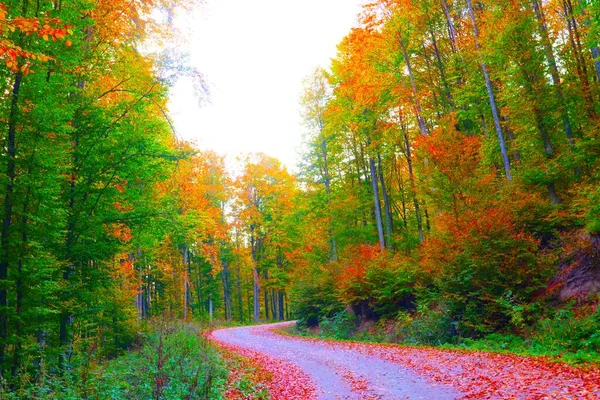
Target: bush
[(175, 362), (487, 272), (341, 326), (314, 298)]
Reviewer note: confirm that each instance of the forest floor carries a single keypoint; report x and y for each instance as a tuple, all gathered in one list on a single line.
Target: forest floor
[(300, 368)]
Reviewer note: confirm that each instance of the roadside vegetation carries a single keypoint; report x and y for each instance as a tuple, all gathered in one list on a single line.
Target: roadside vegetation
[(170, 360), (570, 334)]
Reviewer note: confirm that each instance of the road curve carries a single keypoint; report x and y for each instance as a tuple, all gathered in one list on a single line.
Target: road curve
[(336, 371)]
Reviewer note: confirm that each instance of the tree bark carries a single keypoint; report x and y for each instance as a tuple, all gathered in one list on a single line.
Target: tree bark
[(554, 73), (5, 252), (576, 46), (254, 244), (389, 224), (240, 294), (327, 182), (492, 97), (450, 26), (266, 294), (226, 289), (416, 101), (596, 57), (413, 186), (377, 203)]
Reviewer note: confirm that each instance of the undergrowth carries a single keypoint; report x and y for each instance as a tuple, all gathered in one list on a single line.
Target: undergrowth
[(174, 361), (570, 334)]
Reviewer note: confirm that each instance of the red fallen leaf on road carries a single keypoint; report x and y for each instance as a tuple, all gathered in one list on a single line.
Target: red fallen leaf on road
[(485, 375), (283, 380)]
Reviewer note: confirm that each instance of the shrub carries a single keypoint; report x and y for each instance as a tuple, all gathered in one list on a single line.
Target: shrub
[(175, 362), (341, 326)]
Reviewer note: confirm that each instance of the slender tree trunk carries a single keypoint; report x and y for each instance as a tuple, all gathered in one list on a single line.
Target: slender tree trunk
[(5, 252), (19, 292), (377, 203), (266, 293), (254, 244), (492, 97), (226, 290), (19, 278), (442, 71), (240, 294), (416, 101), (401, 189), (66, 316), (185, 282), (549, 51), (256, 293), (281, 315), (596, 57), (450, 26), (327, 182), (389, 225), (413, 186), (575, 40)]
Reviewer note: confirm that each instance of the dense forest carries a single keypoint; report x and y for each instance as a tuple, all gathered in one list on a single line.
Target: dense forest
[(451, 173), (449, 183)]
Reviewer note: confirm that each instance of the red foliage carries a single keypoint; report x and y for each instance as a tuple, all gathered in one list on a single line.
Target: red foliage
[(282, 379), (351, 279)]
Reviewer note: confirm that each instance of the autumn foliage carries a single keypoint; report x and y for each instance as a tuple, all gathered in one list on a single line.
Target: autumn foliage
[(453, 164)]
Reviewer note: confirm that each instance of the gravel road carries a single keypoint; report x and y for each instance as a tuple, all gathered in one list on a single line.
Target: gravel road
[(336, 371)]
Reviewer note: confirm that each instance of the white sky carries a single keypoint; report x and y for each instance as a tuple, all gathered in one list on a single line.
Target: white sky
[(254, 54)]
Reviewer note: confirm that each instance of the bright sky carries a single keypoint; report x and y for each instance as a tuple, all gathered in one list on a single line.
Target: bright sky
[(255, 54)]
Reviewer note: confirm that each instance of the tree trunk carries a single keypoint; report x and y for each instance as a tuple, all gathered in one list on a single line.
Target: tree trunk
[(327, 182), (256, 293), (389, 225), (226, 290), (416, 101), (450, 26), (281, 315), (413, 186), (240, 294), (492, 98), (442, 71), (256, 277), (5, 252), (185, 282), (596, 57), (377, 203), (543, 28), (266, 294), (575, 40)]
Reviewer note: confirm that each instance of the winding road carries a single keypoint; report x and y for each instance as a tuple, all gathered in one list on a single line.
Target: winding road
[(343, 370)]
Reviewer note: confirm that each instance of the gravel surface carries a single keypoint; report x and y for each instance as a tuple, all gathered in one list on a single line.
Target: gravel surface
[(337, 371)]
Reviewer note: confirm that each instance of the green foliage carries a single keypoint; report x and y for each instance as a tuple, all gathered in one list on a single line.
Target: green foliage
[(174, 362), (250, 390), (315, 298), (571, 334), (341, 326)]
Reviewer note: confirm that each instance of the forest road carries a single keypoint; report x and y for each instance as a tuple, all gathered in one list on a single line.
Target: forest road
[(335, 370)]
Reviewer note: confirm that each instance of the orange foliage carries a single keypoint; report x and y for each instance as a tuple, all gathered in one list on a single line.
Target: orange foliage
[(120, 231), (18, 59)]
